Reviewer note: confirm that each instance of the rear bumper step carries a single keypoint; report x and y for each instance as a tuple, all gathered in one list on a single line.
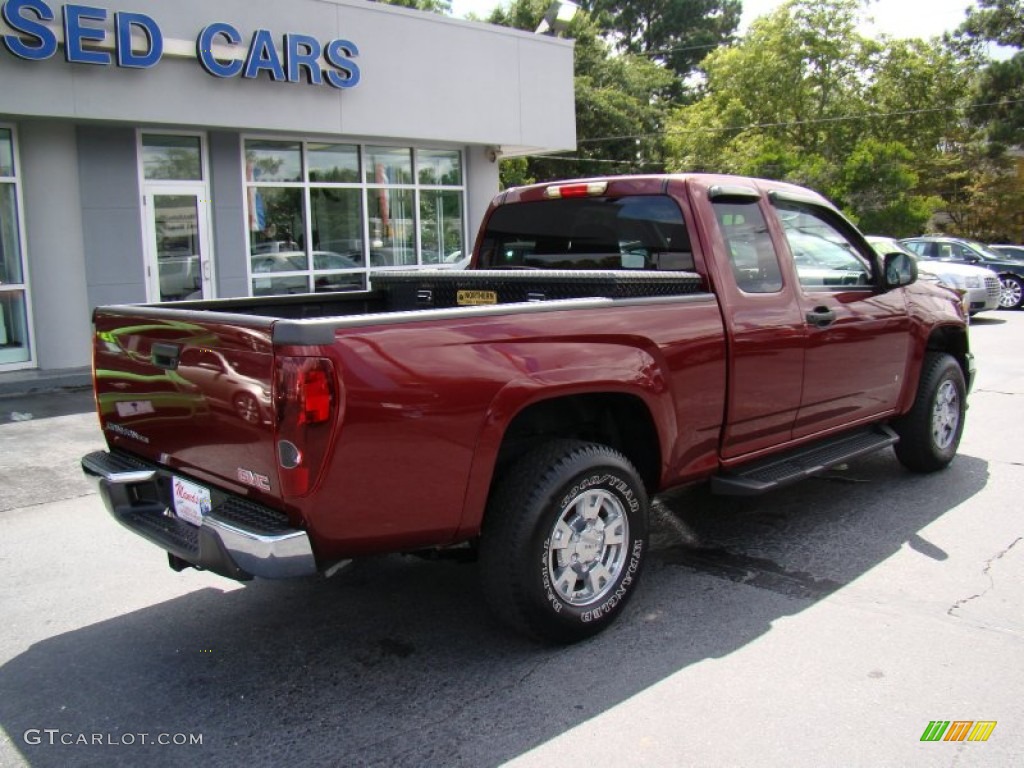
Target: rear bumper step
[(777, 471), (238, 538)]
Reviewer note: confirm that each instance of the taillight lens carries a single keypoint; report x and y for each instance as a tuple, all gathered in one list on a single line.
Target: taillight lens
[(316, 394), (308, 399), (587, 189)]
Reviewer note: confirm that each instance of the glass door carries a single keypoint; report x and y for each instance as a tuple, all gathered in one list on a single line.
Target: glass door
[(178, 263), (15, 310)]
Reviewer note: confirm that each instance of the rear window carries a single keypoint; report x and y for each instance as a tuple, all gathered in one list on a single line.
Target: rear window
[(638, 232)]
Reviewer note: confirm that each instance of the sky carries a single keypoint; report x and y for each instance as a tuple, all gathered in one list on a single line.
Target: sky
[(898, 18)]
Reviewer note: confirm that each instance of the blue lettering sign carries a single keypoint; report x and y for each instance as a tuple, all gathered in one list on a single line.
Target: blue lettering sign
[(302, 52), (42, 43), (126, 57), (75, 34), (340, 54), (204, 49), (303, 58), (262, 55)]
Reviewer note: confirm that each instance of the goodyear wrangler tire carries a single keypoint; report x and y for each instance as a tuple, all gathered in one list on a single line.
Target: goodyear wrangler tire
[(564, 541), (930, 432)]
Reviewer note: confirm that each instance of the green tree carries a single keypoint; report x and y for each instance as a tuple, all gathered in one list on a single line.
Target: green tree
[(443, 7), (989, 183), (615, 105), (806, 98), (1000, 91), (675, 33)]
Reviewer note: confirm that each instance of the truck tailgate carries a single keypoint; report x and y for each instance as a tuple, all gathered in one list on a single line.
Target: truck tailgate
[(192, 395)]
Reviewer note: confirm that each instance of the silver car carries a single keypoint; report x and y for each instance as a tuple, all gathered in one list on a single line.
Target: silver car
[(979, 286)]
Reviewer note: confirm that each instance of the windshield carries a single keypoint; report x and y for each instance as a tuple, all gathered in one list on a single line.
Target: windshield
[(984, 251), (637, 232)]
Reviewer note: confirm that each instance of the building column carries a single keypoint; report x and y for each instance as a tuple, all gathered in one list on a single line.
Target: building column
[(54, 247), (482, 185)]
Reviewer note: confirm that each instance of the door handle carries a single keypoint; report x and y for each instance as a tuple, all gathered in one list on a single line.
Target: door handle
[(821, 317)]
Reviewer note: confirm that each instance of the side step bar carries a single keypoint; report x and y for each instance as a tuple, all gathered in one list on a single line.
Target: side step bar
[(777, 471)]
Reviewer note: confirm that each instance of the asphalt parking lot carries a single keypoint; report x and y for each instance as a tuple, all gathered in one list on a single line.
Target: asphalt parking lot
[(825, 624)]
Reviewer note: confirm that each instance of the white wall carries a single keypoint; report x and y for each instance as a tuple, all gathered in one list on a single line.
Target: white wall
[(424, 77), (54, 244)]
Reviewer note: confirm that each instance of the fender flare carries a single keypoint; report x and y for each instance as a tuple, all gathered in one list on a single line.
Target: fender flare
[(645, 382)]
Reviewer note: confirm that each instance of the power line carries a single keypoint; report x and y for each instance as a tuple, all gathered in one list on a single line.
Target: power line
[(812, 121), (662, 51)]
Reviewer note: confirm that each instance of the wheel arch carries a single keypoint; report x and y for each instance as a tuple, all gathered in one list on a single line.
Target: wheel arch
[(624, 420), (953, 340), (620, 420)]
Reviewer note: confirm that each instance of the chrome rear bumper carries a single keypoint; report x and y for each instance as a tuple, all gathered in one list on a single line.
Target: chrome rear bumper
[(238, 538)]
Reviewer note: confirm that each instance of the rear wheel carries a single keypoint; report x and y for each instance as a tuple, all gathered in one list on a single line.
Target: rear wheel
[(247, 407), (564, 540), (930, 432), (1011, 292)]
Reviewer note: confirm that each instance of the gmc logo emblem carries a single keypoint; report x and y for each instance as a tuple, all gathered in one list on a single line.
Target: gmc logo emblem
[(254, 479)]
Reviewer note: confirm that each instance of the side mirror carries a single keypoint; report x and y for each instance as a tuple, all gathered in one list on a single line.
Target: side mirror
[(900, 269)]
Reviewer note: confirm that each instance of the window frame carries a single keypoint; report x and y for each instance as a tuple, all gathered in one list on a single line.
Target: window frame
[(836, 221), (365, 189), (25, 286)]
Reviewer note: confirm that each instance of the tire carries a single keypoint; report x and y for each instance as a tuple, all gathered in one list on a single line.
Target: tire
[(1011, 292), (564, 541), (930, 432), (247, 408)]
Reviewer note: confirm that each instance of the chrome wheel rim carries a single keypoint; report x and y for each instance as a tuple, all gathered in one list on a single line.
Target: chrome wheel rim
[(945, 415), (587, 547), (1009, 293), (248, 409)]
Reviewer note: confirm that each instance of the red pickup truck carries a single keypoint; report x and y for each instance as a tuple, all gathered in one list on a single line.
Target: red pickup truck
[(612, 338)]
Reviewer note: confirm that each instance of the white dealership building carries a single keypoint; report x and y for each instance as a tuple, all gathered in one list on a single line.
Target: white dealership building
[(218, 148)]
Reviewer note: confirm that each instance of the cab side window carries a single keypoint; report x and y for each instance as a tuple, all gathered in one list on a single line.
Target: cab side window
[(755, 265), (823, 254)]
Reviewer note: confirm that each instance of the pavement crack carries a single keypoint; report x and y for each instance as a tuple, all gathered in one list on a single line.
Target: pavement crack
[(986, 571)]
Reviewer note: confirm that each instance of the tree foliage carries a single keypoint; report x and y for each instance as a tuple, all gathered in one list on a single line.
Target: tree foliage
[(443, 7), (999, 96), (674, 33), (806, 98), (614, 98), (989, 203)]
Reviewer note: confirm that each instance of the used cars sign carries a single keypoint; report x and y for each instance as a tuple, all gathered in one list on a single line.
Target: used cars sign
[(135, 41)]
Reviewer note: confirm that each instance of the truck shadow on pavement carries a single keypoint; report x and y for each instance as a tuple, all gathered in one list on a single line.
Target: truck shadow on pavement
[(397, 662), (45, 405)]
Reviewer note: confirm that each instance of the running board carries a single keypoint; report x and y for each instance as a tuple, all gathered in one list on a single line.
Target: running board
[(777, 471)]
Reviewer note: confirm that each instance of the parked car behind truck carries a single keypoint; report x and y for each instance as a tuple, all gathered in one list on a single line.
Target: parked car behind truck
[(958, 250), (980, 287), (612, 338)]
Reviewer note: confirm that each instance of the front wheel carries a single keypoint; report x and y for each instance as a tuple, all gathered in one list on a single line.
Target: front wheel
[(564, 540), (1011, 292), (930, 432)]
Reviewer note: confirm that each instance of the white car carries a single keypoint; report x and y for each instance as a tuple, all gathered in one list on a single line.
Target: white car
[(980, 286)]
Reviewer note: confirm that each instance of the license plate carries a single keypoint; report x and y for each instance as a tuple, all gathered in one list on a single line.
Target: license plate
[(191, 501)]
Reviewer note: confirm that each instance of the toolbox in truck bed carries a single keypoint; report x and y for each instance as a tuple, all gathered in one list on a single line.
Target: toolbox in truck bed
[(419, 289)]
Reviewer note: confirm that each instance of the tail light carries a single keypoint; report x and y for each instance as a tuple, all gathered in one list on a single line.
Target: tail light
[(587, 189), (308, 401)]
